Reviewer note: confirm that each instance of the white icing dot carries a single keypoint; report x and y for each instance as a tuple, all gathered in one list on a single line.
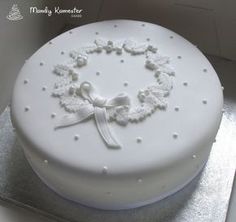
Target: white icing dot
[(122, 60), (175, 135), (44, 88), (139, 139), (27, 108), (41, 63), (185, 83), (139, 180), (98, 73), (53, 115), (222, 88), (179, 57), (204, 70), (45, 161), (76, 137), (194, 156), (126, 84), (26, 81), (204, 101), (105, 170), (176, 108), (70, 32), (62, 52)]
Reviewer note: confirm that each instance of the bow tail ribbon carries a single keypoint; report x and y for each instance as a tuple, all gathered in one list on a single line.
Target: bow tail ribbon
[(103, 127), (100, 119)]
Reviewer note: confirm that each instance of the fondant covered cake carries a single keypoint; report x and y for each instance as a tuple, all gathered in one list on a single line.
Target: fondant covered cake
[(117, 114)]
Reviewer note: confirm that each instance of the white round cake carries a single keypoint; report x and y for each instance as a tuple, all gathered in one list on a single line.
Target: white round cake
[(117, 114)]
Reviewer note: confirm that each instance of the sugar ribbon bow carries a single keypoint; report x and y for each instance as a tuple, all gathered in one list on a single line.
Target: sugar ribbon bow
[(96, 106)]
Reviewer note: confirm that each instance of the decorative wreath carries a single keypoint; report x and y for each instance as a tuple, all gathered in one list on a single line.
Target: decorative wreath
[(81, 100)]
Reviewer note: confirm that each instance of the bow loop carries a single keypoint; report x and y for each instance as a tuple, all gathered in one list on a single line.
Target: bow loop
[(97, 107)]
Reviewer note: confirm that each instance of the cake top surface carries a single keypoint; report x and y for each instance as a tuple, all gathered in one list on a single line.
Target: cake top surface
[(117, 96)]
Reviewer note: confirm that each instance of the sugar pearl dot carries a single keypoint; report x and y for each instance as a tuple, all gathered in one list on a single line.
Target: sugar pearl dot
[(27, 108), (204, 70), (105, 170), (53, 115), (175, 135), (139, 139), (176, 108), (222, 88), (185, 83), (45, 161), (26, 81), (44, 88), (126, 84), (76, 137), (194, 156), (122, 60), (179, 57), (139, 180), (204, 101), (98, 73)]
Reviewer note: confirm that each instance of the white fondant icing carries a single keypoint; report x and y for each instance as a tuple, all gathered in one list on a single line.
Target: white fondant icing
[(160, 159)]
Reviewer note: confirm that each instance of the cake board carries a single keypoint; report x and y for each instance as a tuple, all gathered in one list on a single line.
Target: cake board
[(206, 198)]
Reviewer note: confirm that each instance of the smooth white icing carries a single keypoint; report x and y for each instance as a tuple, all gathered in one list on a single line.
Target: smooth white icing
[(152, 163)]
